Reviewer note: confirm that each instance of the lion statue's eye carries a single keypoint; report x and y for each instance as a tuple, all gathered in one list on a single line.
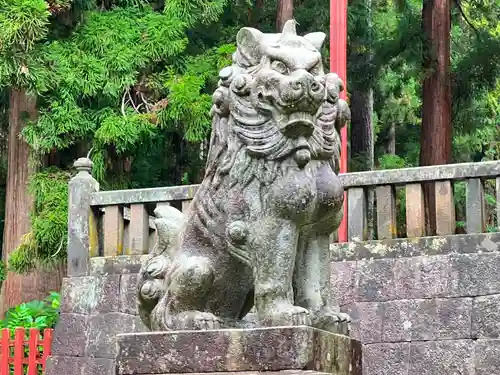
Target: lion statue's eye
[(315, 69), (279, 66)]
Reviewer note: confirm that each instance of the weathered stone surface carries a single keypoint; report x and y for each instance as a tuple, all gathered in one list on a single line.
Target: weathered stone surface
[(486, 317), (397, 320), (108, 292), (343, 282), (475, 211), (453, 318), (366, 320), (101, 266), (79, 295), (357, 215), (65, 365), (421, 174), (267, 349), (81, 236), (412, 247), (261, 221), (440, 319), (90, 294), (375, 280), (128, 263), (445, 208), (498, 201), (430, 319), (421, 277), (103, 329), (475, 274), (138, 230), (442, 357), (113, 230), (487, 357), (121, 264), (369, 178), (284, 372), (59, 365), (164, 194), (386, 212), (70, 335), (139, 326), (98, 366), (387, 359), (128, 294), (415, 211)]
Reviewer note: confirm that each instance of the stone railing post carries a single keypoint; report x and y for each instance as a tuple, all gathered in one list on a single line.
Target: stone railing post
[(82, 231)]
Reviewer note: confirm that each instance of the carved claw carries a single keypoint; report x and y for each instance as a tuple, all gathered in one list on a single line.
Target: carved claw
[(196, 320), (332, 321), (285, 314)]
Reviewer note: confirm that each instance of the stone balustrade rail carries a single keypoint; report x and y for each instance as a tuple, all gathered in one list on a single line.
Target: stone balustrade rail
[(108, 223)]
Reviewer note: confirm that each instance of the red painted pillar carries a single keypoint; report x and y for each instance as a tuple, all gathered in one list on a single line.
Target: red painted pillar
[(338, 64)]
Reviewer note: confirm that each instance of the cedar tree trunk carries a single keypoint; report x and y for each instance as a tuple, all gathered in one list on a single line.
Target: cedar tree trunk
[(283, 14), (391, 141), (436, 133), (18, 204), (361, 127)]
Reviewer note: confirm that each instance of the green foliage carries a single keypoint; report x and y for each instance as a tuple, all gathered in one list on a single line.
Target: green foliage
[(23, 23), (195, 11), (35, 314), (190, 97), (116, 76), (131, 82), (388, 161), (3, 271), (46, 244)]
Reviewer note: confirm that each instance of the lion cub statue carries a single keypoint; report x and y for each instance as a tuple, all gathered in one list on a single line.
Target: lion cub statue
[(257, 233)]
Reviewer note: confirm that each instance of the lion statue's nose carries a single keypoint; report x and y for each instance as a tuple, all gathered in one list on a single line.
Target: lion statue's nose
[(302, 86)]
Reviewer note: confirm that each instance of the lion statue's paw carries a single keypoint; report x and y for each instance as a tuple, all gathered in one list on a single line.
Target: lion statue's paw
[(285, 314), (196, 320), (331, 321)]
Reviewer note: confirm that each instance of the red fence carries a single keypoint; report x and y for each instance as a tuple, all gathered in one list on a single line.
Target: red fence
[(23, 356)]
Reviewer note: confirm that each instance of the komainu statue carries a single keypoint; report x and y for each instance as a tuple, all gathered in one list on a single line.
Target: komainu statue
[(258, 230)]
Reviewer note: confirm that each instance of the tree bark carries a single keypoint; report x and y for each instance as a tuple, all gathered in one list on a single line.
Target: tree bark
[(391, 141), (17, 288), (436, 132), (283, 14), (362, 146), (257, 13), (362, 128), (360, 55), (361, 136)]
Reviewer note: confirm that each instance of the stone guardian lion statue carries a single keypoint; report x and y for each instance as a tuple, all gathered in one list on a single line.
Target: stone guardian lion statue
[(258, 230)]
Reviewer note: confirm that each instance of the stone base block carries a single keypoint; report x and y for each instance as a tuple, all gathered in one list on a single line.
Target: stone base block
[(284, 372), (57, 365), (238, 350)]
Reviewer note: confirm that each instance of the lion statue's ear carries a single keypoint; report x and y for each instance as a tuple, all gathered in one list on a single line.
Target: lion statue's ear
[(316, 39), (248, 41)]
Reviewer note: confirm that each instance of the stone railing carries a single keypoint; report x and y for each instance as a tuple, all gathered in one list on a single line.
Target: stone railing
[(385, 183), (109, 223)]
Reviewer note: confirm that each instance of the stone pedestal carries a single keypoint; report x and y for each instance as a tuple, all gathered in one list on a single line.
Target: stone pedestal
[(291, 349)]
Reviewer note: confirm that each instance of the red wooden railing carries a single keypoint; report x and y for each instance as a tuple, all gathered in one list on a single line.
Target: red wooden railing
[(21, 356)]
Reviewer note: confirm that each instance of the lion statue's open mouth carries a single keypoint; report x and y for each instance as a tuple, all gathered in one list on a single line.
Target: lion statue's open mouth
[(299, 124)]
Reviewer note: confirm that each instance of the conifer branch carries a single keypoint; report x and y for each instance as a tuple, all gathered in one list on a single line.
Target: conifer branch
[(460, 9), (123, 104)]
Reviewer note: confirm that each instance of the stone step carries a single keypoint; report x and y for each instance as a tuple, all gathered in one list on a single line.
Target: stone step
[(238, 351), (283, 372)]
